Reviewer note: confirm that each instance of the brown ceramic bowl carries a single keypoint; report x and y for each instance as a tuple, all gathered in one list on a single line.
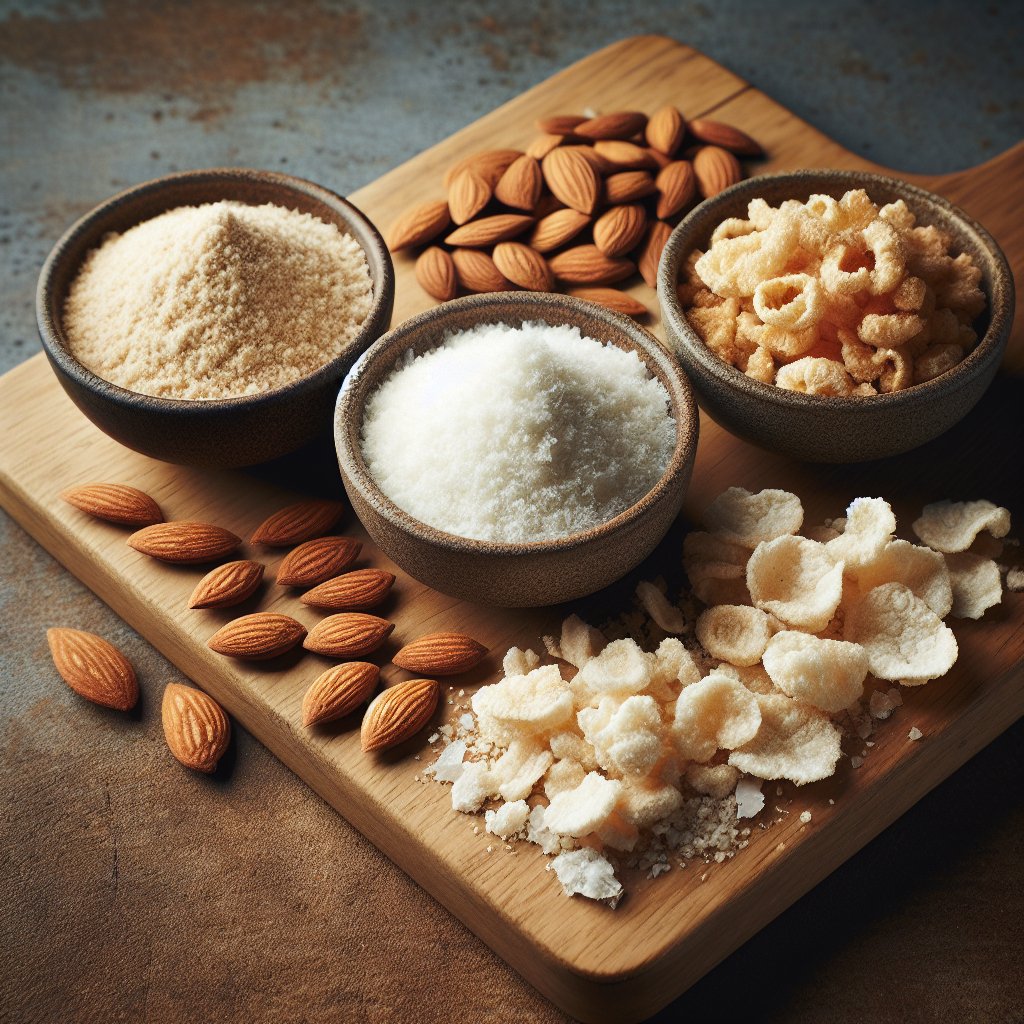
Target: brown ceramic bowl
[(225, 432), (526, 574), (820, 429)]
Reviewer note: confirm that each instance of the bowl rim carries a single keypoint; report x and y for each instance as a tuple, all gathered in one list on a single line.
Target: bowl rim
[(1001, 300), (652, 352), (49, 322)]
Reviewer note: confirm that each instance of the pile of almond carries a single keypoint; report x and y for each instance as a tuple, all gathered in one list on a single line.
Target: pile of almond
[(590, 202), (196, 728)]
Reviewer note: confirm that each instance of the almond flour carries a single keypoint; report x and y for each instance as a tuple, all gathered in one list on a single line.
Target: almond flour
[(217, 301)]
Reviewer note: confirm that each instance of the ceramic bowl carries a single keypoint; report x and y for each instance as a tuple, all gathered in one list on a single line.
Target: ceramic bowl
[(225, 432), (515, 574), (821, 429)]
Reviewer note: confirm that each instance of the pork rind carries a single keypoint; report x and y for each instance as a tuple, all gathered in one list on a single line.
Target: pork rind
[(656, 604), (794, 301), (921, 569), (562, 776), (716, 568), (795, 742), (621, 668), (797, 580), (518, 662), (951, 526), (870, 524), (674, 668), (628, 739), (827, 674), (580, 811), (815, 376), (904, 639), (643, 804), (716, 713), (717, 780), (537, 703), (975, 583), (516, 772), (734, 633), (746, 519)]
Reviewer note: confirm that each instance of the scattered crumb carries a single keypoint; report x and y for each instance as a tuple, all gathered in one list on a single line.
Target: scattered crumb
[(915, 733), (856, 762), (805, 817)]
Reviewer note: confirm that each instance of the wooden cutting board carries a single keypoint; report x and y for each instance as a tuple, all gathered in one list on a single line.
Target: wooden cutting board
[(597, 964)]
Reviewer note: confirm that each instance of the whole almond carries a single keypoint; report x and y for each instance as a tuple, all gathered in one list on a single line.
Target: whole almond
[(542, 145), (624, 156), (94, 668), (620, 229), (622, 124), (115, 503), (351, 592), (398, 713), (441, 654), (338, 692), (489, 164), (296, 523), (348, 635), (677, 188), (586, 264), (612, 298), (317, 560), (523, 266), (229, 584), (521, 184), (468, 194), (257, 637), (665, 130), (572, 178), (476, 272), (557, 228), (195, 727), (715, 133), (563, 124), (419, 225), (716, 169), (184, 542), (488, 230), (650, 254), (628, 187), (435, 274)]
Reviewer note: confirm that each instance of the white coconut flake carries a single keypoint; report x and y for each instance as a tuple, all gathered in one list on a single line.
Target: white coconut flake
[(586, 873), (749, 798), (448, 767)]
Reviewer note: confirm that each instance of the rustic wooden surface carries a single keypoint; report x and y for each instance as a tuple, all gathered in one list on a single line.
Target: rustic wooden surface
[(669, 932)]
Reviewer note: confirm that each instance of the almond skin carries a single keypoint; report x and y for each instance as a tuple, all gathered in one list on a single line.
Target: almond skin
[(419, 225), (620, 229), (586, 264), (716, 169), (257, 637), (195, 727), (523, 266), (677, 188), (317, 560), (441, 654), (521, 184), (476, 272), (435, 274), (184, 542), (625, 156), (650, 254), (628, 186), (612, 298), (488, 230), (399, 713), (622, 124), (94, 668), (715, 133), (348, 635), (562, 124), (666, 130), (296, 523), (229, 584), (115, 503), (557, 228), (468, 194), (572, 178), (352, 592), (338, 692), (490, 164)]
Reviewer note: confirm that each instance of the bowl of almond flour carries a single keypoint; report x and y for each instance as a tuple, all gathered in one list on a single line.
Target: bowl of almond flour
[(209, 317), (518, 449)]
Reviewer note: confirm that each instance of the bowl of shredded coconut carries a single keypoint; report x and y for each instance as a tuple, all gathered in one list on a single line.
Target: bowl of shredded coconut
[(209, 317), (518, 449)]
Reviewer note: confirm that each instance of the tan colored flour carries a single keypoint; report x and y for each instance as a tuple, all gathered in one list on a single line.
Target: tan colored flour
[(215, 301)]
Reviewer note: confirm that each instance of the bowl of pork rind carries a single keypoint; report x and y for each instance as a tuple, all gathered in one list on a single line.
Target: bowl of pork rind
[(835, 316)]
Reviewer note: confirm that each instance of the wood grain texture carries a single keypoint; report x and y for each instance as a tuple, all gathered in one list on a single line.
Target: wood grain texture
[(596, 964)]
